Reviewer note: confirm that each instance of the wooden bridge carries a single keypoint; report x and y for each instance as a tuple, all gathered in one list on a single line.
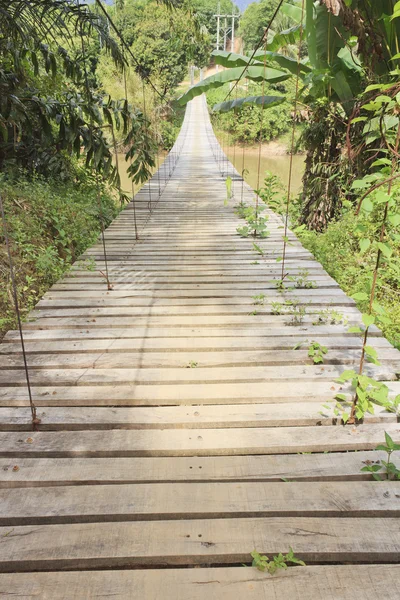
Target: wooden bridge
[(180, 429)]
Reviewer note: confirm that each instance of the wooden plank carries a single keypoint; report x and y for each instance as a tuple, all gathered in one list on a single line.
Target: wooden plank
[(192, 344), (84, 377), (183, 359), (172, 501), (299, 414), (194, 442), (40, 472), (333, 582), (233, 331), (183, 394), (190, 542)]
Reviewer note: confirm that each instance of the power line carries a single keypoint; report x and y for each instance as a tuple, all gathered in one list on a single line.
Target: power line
[(263, 37), (121, 38)]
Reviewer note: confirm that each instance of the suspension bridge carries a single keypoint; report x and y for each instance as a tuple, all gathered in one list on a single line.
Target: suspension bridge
[(180, 429)]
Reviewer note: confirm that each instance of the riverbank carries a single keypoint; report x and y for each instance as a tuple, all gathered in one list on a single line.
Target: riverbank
[(274, 159)]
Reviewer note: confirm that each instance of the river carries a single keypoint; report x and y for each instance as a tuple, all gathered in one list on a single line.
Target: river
[(278, 164)]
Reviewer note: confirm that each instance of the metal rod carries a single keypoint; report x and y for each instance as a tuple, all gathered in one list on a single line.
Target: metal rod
[(35, 420)]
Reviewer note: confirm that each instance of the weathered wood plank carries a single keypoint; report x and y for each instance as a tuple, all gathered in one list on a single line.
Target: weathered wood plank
[(190, 542), (299, 414), (40, 472), (172, 501), (195, 442), (174, 375), (367, 582)]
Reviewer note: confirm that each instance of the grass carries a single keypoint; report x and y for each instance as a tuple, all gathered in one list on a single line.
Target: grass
[(49, 224)]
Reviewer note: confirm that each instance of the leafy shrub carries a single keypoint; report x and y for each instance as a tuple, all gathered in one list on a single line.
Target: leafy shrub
[(49, 225)]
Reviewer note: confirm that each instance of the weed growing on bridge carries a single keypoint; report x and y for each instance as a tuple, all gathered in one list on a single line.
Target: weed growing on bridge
[(293, 308), (279, 561), (228, 184), (302, 280), (256, 223), (329, 316), (258, 249), (270, 193), (317, 352), (259, 299), (192, 364), (276, 308), (391, 471)]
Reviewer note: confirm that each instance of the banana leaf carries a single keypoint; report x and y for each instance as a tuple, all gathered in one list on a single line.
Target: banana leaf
[(287, 37), (255, 73), (263, 101), (283, 61), (231, 60)]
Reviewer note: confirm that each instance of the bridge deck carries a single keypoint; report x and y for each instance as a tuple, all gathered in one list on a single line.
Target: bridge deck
[(180, 428)]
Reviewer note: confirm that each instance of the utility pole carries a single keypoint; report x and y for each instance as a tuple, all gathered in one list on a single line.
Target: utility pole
[(225, 33), (226, 29), (218, 17)]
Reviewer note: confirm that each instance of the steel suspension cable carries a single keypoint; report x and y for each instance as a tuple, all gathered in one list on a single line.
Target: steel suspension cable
[(262, 40), (127, 48), (35, 420), (132, 183), (295, 109), (99, 202), (147, 134)]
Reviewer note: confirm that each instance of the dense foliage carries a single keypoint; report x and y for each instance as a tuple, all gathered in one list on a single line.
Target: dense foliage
[(50, 225), (74, 89)]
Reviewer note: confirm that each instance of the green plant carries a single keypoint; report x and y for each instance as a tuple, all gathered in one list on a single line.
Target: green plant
[(228, 185), (391, 471), (276, 308), (270, 192), (240, 210), (192, 364), (296, 310), (317, 352), (302, 281), (279, 561), (256, 224), (259, 299), (330, 316), (368, 392), (258, 249)]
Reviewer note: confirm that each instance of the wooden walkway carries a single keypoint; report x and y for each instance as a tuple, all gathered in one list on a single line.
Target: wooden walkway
[(179, 427)]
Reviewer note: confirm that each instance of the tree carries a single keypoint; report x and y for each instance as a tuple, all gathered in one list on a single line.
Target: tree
[(254, 20), (163, 41), (50, 108)]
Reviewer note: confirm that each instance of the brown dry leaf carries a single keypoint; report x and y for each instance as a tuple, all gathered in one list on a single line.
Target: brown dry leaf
[(29, 440), (15, 468)]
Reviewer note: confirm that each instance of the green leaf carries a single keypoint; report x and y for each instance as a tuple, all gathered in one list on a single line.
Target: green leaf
[(346, 375), (263, 101), (367, 205), (285, 62), (360, 295), (294, 12), (368, 320), (231, 59), (255, 73), (394, 219), (355, 329), (385, 249), (341, 397), (364, 245)]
